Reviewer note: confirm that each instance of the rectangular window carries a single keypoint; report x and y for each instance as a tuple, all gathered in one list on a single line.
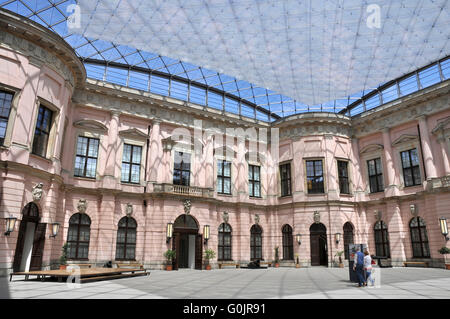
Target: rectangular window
[(182, 168), (343, 177), (131, 163), (223, 177), (254, 181), (5, 109), (86, 157), (42, 131), (411, 170), (285, 177), (375, 175), (314, 177)]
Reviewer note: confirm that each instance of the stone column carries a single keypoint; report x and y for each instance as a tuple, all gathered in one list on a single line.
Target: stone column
[(392, 188), (111, 151), (426, 148), (445, 157), (209, 162), (397, 234), (356, 173), (242, 176), (155, 158)]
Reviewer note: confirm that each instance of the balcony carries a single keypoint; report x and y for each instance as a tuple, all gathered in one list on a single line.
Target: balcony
[(440, 182), (192, 191)]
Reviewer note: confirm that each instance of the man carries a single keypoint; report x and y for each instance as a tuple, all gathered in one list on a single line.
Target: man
[(358, 266)]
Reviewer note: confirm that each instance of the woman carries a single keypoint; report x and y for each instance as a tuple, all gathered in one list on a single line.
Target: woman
[(368, 267)]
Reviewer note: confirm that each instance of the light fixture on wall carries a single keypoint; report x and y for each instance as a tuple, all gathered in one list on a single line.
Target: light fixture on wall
[(298, 238), (444, 228), (55, 229), (169, 232), (206, 233), (10, 224), (337, 237)]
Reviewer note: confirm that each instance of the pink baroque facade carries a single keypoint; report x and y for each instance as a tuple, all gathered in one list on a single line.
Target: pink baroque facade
[(104, 162)]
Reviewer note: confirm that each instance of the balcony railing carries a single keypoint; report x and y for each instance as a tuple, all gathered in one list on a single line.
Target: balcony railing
[(440, 182), (183, 190)]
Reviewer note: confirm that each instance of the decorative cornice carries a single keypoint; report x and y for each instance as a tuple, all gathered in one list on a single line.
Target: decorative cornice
[(371, 148), (42, 45), (405, 138)]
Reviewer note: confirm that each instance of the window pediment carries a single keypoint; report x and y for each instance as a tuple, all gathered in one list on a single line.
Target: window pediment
[(371, 148), (442, 129), (91, 125), (133, 133), (405, 138)]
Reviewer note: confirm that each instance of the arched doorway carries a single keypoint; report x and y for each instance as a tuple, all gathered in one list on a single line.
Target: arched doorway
[(348, 238), (187, 243), (30, 241), (288, 243), (256, 243), (318, 240)]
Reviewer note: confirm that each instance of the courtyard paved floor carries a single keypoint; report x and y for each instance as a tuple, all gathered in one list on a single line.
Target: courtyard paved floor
[(304, 283)]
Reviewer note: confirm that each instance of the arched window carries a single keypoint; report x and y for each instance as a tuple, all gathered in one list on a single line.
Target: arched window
[(381, 239), (224, 249), (288, 243), (256, 243), (419, 238), (78, 236), (348, 238), (126, 239)]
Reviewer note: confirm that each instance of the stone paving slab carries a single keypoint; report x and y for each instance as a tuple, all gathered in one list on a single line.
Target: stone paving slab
[(277, 283)]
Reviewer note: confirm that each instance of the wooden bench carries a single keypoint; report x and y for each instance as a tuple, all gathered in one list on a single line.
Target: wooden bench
[(268, 263), (83, 266), (424, 263), (229, 264), (130, 265)]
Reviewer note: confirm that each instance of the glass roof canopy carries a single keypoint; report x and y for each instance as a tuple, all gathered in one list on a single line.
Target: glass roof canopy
[(125, 65)]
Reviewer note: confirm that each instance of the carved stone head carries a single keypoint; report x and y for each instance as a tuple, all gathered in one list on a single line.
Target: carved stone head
[(82, 205), (187, 206), (256, 219), (225, 217), (37, 192), (129, 209), (378, 215), (316, 217)]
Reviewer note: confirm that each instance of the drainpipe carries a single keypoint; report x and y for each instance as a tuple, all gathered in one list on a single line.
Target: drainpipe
[(145, 164), (421, 153)]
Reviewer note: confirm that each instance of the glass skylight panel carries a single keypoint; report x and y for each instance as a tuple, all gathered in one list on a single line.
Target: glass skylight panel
[(445, 67), (117, 76), (178, 90), (408, 85), (95, 71), (231, 106), (429, 76), (159, 85), (215, 100), (314, 53), (138, 80), (197, 95), (389, 94)]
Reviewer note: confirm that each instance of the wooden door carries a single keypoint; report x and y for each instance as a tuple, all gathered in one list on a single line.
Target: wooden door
[(38, 247), (175, 244), (19, 246), (315, 252), (198, 252)]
